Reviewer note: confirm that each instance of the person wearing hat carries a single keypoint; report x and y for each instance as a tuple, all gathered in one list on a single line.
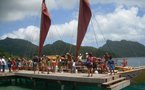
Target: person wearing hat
[(86, 55), (80, 57)]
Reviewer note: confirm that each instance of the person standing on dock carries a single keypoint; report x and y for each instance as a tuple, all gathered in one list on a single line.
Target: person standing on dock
[(35, 63), (48, 66), (106, 56), (80, 57), (0, 64), (90, 64), (3, 64), (9, 64), (124, 63), (111, 65), (14, 64), (73, 65)]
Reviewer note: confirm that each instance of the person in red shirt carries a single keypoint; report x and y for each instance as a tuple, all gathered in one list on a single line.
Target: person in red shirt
[(13, 64), (124, 63)]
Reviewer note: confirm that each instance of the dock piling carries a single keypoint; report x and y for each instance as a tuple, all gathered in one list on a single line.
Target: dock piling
[(74, 86)]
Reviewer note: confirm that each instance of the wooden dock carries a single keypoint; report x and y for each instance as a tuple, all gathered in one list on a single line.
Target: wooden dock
[(105, 81)]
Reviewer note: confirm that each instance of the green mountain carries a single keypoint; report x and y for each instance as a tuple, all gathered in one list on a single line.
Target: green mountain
[(60, 48), (4, 53), (18, 47), (125, 48)]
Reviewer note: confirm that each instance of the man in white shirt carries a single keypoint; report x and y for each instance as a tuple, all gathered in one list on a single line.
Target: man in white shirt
[(3, 64), (0, 64)]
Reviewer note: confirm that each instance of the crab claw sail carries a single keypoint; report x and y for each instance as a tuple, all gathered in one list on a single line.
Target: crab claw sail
[(44, 28), (83, 22)]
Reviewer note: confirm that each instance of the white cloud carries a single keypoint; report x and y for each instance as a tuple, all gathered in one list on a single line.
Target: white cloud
[(19, 9), (139, 3), (64, 31), (120, 24), (29, 33)]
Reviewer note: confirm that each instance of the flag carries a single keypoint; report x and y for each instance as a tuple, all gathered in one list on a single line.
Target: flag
[(44, 27), (83, 22)]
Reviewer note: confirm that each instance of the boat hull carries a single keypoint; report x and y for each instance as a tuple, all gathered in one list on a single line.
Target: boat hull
[(135, 75)]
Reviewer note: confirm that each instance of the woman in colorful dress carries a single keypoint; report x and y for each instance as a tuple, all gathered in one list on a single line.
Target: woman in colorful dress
[(14, 67)]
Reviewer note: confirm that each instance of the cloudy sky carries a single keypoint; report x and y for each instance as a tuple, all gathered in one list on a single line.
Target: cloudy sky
[(111, 19)]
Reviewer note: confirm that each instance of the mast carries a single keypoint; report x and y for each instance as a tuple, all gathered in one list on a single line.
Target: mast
[(83, 22), (44, 27)]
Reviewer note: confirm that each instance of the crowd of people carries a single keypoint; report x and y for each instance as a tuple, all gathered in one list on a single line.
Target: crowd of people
[(66, 63), (15, 64), (104, 64)]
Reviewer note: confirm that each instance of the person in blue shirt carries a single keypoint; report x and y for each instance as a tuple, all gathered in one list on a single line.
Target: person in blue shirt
[(111, 65), (9, 63)]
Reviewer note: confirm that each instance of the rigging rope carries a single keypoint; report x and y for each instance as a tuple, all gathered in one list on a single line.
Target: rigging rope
[(72, 37), (60, 35), (106, 39), (95, 35), (102, 33)]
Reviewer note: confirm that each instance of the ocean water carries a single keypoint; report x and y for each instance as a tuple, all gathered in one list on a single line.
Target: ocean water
[(24, 83), (140, 86), (13, 88), (131, 87), (132, 61)]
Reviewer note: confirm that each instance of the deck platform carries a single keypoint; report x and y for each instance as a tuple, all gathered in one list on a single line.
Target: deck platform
[(106, 81), (6, 74), (74, 77)]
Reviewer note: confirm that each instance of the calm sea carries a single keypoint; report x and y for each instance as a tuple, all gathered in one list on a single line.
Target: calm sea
[(137, 61), (13, 88), (133, 61)]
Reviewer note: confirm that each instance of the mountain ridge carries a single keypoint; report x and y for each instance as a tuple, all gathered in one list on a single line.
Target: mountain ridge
[(121, 48), (125, 48)]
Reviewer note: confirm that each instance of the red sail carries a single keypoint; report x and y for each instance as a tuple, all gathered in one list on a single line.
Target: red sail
[(84, 19), (45, 24)]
